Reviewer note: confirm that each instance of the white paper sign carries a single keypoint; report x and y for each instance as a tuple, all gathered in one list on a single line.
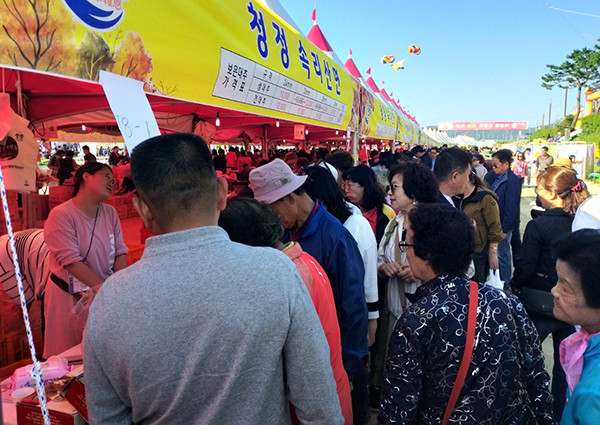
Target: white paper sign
[(131, 108)]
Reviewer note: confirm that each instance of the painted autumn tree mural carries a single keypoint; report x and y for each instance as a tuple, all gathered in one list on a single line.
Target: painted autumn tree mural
[(40, 34), (94, 55), (131, 58), (37, 34)]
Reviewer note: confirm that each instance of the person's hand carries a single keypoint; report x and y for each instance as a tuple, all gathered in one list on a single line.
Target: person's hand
[(406, 273), (390, 269), (372, 331), (493, 258)]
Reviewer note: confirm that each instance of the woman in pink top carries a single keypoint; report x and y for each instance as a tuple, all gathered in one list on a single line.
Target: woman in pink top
[(520, 167), (253, 223), (85, 246)]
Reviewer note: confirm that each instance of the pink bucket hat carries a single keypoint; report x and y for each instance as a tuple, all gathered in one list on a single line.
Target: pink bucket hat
[(273, 181)]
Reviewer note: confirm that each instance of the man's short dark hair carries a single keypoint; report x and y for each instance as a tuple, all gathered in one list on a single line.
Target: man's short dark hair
[(581, 251), (450, 160), (341, 160), (504, 155), (448, 247), (85, 148), (174, 174)]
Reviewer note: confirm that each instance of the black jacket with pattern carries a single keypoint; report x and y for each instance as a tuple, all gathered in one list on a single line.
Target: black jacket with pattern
[(506, 382)]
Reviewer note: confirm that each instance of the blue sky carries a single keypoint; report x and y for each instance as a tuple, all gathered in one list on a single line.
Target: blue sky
[(481, 60)]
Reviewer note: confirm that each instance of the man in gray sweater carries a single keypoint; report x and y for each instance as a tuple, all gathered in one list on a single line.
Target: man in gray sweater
[(202, 330)]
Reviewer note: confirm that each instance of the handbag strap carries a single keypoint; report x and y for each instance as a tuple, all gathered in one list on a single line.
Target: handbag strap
[(398, 259), (467, 354)]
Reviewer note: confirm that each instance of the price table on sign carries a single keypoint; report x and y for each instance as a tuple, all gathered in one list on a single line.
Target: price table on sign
[(245, 81), (383, 130)]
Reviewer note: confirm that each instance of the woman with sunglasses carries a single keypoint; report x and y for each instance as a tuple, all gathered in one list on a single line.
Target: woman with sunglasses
[(410, 183), (520, 167), (86, 246)]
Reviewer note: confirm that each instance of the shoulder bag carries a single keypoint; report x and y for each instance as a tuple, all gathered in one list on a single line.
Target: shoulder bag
[(467, 354)]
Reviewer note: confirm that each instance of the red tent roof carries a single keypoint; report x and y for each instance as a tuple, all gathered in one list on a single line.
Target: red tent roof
[(351, 67), (384, 93), (316, 36), (371, 83)]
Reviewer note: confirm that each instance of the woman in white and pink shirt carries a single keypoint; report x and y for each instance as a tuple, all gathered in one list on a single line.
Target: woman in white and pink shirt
[(86, 246)]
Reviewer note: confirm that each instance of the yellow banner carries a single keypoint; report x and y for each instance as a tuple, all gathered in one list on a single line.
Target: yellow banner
[(406, 131), (234, 54), (379, 121)]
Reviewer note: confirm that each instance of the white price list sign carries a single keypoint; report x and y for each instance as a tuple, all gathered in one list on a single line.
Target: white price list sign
[(131, 108), (246, 81), (384, 130)]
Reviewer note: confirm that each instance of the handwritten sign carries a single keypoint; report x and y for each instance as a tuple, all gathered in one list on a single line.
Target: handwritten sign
[(131, 108)]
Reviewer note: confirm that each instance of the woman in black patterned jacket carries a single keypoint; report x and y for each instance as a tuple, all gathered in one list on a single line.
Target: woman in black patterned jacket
[(506, 382)]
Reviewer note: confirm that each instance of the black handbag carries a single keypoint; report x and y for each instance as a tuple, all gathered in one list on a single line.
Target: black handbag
[(537, 302)]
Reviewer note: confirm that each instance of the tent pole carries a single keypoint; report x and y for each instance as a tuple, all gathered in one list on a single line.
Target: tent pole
[(265, 142), (354, 146)]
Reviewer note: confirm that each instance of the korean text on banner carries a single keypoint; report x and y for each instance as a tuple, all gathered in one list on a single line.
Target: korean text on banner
[(131, 108)]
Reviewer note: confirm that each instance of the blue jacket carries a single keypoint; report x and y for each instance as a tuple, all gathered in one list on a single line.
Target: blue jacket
[(508, 189), (335, 249), (583, 405)]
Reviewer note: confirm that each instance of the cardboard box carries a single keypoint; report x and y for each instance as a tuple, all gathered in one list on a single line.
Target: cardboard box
[(61, 412), (74, 393)]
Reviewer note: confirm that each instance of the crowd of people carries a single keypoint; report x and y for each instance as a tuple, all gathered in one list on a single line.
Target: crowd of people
[(323, 289)]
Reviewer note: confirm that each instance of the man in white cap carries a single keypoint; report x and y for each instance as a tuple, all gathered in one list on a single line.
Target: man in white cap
[(322, 236)]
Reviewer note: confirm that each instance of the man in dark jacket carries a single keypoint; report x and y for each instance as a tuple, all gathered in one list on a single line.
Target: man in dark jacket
[(322, 235), (452, 169), (114, 157), (508, 188)]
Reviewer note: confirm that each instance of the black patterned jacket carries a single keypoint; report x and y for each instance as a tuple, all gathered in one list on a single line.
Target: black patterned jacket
[(506, 382)]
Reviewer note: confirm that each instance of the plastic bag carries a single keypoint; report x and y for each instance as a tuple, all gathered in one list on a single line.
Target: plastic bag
[(494, 279)]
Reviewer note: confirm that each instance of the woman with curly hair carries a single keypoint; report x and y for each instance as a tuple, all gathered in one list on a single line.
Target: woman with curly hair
[(504, 379), (560, 192), (362, 189), (410, 183)]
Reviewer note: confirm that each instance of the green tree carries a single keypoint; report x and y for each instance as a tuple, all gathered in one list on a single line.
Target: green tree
[(581, 68)]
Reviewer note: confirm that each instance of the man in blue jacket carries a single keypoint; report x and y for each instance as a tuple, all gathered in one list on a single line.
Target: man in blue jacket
[(322, 235), (508, 188)]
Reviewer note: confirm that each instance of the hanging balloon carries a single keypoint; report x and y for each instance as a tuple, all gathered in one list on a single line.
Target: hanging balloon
[(387, 59), (416, 50)]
